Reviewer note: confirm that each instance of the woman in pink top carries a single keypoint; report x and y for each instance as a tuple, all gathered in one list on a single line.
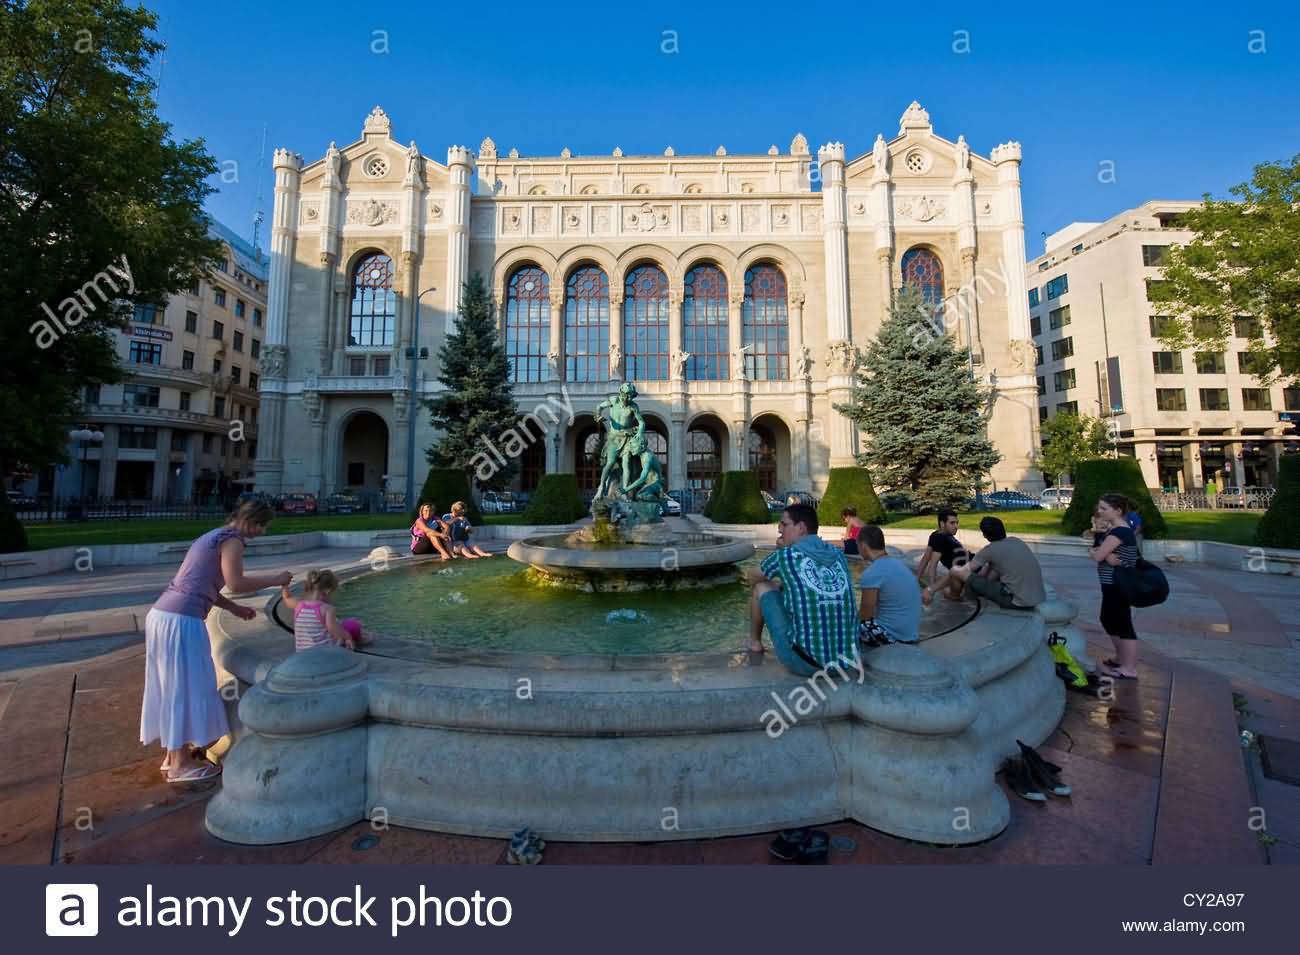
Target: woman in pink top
[(182, 706)]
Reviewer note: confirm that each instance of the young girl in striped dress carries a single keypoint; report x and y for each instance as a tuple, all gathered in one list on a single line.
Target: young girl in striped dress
[(314, 621)]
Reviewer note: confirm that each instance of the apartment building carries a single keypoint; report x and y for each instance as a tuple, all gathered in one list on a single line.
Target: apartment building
[(183, 425), (1188, 417)]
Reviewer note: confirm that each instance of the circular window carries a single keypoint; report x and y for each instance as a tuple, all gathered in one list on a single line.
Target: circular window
[(917, 162), (376, 274), (376, 167), (529, 285)]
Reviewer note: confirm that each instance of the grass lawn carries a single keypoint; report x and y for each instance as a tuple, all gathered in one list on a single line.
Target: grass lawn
[(1225, 527)]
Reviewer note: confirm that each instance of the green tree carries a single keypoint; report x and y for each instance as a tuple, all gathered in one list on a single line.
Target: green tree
[(98, 206), (1241, 263), (476, 413), (923, 414), (1069, 439)]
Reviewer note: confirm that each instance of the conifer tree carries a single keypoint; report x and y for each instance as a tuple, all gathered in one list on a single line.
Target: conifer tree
[(478, 405), (924, 415)]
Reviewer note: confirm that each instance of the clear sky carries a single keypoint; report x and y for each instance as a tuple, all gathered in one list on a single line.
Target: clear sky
[(1172, 94)]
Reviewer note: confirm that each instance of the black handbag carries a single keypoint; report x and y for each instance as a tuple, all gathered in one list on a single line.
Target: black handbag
[(1142, 585)]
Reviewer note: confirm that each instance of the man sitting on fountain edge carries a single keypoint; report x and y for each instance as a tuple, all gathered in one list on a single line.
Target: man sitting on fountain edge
[(804, 594)]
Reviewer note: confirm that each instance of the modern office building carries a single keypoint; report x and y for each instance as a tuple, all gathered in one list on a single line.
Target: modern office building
[(730, 289), (1188, 417), (183, 426)]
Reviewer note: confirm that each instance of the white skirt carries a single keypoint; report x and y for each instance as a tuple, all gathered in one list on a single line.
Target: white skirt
[(181, 701)]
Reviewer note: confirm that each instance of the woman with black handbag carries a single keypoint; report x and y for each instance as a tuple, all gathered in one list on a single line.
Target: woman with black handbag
[(1115, 546)]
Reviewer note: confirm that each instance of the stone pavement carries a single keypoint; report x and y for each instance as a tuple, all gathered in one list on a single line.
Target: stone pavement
[(1158, 771)]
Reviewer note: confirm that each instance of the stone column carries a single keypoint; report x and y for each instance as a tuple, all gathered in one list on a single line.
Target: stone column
[(616, 335), (314, 405), (835, 237), (675, 331), (796, 302), (459, 166), (964, 306), (397, 447), (677, 449), (735, 329), (680, 393), (883, 225), (557, 331), (1192, 480), (162, 465), (410, 306), (1148, 460), (1014, 424), (329, 333)]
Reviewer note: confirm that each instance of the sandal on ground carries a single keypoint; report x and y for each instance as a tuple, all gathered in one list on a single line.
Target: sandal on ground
[(817, 850), (1116, 674), (789, 844), (196, 774)]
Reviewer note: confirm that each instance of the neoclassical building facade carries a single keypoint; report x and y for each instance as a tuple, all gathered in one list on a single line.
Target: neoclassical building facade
[(731, 289)]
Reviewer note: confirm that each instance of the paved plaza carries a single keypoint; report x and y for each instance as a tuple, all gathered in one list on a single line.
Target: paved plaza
[(1158, 771)]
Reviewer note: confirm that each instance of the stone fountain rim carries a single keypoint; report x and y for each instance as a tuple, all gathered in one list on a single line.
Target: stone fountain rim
[(638, 557)]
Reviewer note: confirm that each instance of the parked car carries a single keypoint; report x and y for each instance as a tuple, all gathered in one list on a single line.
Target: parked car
[(298, 504), (1056, 497), (498, 502), (260, 497), (671, 507), (1012, 501), (19, 500), (342, 502), (799, 497), (1249, 496)]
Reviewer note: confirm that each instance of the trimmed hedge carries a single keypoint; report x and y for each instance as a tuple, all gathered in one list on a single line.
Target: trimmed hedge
[(556, 501), (850, 487), (736, 499), (1280, 525), (443, 487), (1101, 476), (13, 538)]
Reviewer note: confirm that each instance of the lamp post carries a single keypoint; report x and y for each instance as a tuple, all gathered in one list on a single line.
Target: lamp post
[(85, 437), (414, 354)]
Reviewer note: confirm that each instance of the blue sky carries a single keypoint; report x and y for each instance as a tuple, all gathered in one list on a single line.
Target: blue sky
[(1171, 94)]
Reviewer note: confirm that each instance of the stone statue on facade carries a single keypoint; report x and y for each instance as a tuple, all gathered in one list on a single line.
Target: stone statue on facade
[(739, 371), (615, 360), (413, 162), (880, 153), (679, 360), (803, 363), (332, 159), (963, 155), (553, 364)]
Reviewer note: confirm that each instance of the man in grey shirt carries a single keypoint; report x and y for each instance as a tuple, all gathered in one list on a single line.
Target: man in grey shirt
[(1006, 571)]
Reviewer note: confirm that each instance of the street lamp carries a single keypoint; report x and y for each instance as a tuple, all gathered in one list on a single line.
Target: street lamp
[(413, 355), (86, 438)]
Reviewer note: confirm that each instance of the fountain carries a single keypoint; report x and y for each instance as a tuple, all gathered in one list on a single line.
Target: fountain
[(628, 546)]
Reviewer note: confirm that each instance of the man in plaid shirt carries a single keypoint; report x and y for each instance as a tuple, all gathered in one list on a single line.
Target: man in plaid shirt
[(804, 595)]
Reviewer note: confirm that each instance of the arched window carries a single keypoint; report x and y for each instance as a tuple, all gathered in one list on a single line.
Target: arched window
[(586, 325), (532, 465), (374, 303), (528, 323), (587, 462), (766, 324), (645, 324), (703, 459), (922, 270), (704, 325)]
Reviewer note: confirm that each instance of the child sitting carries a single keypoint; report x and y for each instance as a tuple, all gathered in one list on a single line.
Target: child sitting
[(460, 531), (314, 621)]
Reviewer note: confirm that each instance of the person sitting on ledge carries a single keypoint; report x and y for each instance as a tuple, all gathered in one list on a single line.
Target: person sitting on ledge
[(890, 611), (460, 530), (430, 535), (852, 528), (804, 595), (1005, 572)]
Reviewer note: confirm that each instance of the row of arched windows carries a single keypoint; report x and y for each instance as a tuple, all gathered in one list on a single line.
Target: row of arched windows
[(765, 324), (765, 320)]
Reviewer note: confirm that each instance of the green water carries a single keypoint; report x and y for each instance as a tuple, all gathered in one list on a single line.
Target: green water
[(488, 605)]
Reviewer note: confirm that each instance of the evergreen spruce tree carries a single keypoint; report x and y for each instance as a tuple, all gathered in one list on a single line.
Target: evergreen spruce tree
[(923, 414), (478, 406)]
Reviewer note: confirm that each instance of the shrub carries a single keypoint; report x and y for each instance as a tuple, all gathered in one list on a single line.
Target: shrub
[(850, 487), (1280, 525), (445, 486), (736, 499), (1101, 476), (556, 501), (13, 538)]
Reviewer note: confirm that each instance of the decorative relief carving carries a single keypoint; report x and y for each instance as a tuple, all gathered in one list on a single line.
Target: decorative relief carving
[(557, 297), (310, 212), (511, 220), (812, 218), (799, 145), (986, 207), (572, 219), (542, 219), (600, 219), (780, 217), (858, 207), (273, 361), (435, 210), (314, 407), (921, 208), (487, 149), (1024, 356), (401, 406), (692, 219), (841, 357), (679, 360), (721, 217), (377, 121), (803, 363), (645, 218), (749, 218), (371, 212)]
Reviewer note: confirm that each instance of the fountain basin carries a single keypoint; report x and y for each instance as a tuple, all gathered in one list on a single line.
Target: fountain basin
[(612, 746), (688, 561)]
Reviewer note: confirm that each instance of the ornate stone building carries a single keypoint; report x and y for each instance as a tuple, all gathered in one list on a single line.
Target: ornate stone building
[(730, 288)]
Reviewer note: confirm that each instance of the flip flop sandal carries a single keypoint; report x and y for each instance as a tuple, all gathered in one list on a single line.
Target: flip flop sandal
[(788, 845), (1117, 675), (197, 774), (817, 850)]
